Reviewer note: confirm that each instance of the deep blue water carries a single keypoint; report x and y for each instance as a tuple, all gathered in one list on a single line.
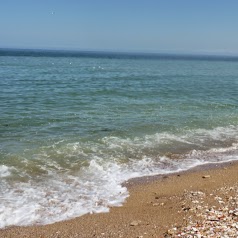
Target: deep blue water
[(75, 125)]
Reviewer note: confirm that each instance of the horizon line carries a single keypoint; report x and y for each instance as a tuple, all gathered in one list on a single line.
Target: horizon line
[(126, 52)]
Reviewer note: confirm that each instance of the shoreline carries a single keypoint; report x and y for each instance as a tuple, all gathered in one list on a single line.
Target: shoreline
[(151, 210), (198, 168)]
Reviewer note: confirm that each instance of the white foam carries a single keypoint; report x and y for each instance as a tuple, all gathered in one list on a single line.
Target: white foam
[(62, 197), (66, 190), (4, 171)]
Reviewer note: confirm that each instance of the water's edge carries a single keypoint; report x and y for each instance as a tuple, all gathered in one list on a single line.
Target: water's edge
[(140, 181), (146, 180)]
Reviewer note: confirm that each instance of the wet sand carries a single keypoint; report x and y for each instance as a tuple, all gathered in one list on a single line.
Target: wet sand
[(156, 207)]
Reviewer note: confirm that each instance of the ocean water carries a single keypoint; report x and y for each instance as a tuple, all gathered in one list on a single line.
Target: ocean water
[(75, 126)]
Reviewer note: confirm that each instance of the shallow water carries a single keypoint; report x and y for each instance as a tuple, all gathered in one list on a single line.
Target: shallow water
[(74, 127)]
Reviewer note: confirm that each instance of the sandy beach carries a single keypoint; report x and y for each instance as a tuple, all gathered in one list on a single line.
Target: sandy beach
[(178, 205), (119, 119)]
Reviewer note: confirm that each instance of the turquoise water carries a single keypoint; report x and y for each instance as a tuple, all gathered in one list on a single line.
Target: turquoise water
[(73, 127)]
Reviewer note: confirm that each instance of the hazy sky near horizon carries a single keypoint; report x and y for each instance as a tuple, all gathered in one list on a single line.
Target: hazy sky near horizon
[(201, 26)]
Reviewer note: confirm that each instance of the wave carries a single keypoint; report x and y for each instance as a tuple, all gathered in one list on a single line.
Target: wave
[(69, 179)]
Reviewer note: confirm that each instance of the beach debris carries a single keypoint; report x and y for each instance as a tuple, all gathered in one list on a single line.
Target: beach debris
[(204, 219), (186, 208), (135, 223), (206, 176), (171, 232)]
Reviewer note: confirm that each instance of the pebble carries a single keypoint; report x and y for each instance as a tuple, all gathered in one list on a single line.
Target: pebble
[(134, 223), (221, 221)]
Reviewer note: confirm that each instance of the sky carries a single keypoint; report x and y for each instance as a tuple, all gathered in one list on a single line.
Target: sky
[(172, 26)]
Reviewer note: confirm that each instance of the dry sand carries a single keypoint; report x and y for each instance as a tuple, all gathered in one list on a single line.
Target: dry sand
[(157, 207)]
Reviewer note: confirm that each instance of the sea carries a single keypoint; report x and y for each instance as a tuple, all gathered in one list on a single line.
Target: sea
[(74, 126)]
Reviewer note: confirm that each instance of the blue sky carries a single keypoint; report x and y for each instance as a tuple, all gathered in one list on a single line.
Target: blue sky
[(186, 26)]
